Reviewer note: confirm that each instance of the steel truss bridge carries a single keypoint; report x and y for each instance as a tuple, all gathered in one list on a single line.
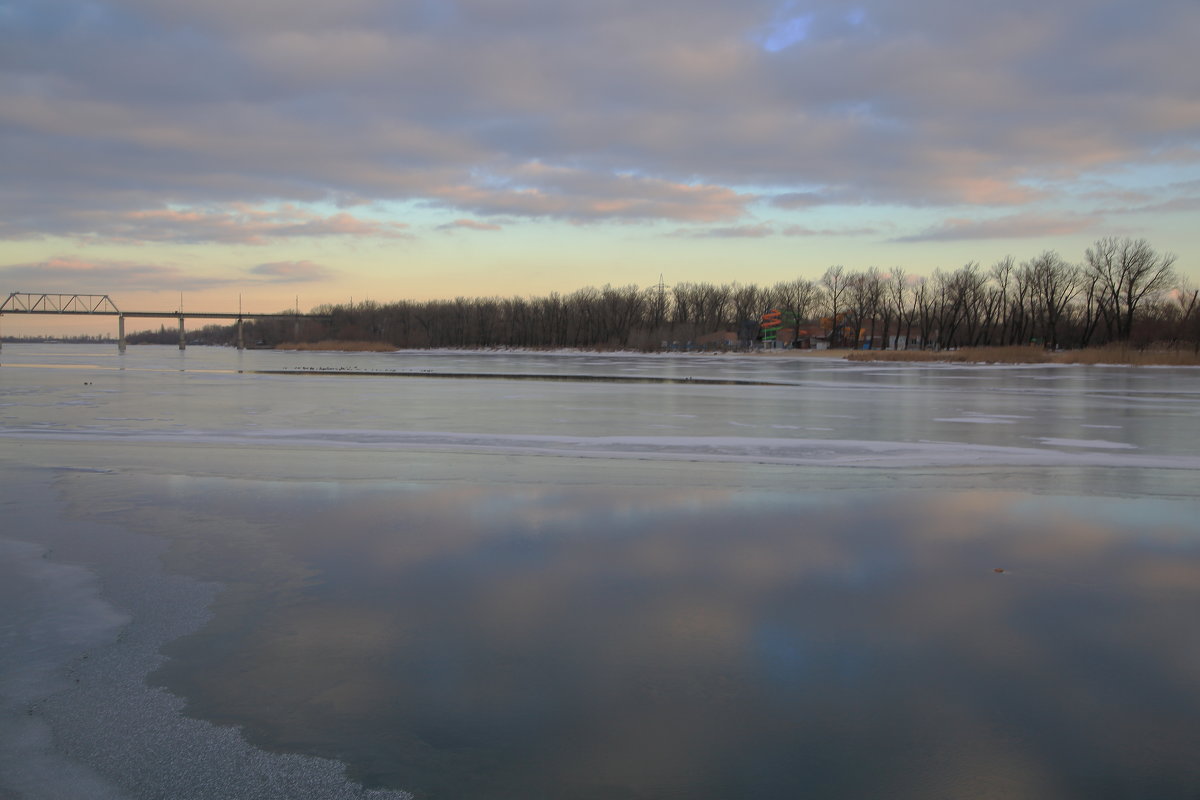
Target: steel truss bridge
[(102, 304)]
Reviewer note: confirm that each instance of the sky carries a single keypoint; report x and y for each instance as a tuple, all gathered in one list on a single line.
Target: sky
[(277, 153)]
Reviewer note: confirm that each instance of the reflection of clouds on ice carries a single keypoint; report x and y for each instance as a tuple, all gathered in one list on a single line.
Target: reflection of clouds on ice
[(701, 617), (985, 419), (501, 519), (828, 452), (1097, 444)]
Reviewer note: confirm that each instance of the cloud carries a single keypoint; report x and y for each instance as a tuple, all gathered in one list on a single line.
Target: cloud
[(143, 121), (73, 274), (728, 232), (78, 275), (469, 224), (291, 272), (802, 230), (1015, 226), (237, 224), (762, 230), (540, 190), (1174, 197), (790, 200)]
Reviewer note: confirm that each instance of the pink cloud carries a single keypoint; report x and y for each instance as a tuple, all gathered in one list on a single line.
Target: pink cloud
[(235, 224), (99, 276), (988, 191), (536, 189), (469, 224)]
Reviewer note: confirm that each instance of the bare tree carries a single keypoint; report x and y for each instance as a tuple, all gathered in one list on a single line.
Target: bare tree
[(656, 304), (948, 306), (1055, 283), (884, 308), (623, 312), (714, 307), (1024, 306), (959, 304), (684, 303), (1001, 276), (973, 294), (864, 298), (904, 300), (926, 304), (1189, 316), (1129, 271), (1093, 307), (836, 286), (1121, 292)]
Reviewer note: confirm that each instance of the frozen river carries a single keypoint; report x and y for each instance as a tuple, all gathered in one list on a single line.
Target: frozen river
[(484, 575)]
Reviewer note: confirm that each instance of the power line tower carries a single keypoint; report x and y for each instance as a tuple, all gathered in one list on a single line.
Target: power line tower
[(660, 302)]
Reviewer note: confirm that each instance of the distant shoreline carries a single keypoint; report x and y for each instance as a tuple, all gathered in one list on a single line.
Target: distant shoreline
[(1108, 355), (1115, 355)]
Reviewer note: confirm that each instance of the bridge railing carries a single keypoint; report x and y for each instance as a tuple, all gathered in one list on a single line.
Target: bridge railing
[(29, 303)]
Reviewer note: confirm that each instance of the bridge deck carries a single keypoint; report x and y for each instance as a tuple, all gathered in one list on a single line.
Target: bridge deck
[(170, 314), (102, 305)]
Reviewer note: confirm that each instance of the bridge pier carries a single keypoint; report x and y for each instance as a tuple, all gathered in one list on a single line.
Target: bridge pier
[(121, 333), (241, 340), (182, 340)]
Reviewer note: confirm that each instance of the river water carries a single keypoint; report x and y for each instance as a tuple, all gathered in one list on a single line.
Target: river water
[(506, 575)]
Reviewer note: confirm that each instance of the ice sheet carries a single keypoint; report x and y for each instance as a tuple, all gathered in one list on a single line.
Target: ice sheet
[(156, 409), (758, 450), (86, 610)]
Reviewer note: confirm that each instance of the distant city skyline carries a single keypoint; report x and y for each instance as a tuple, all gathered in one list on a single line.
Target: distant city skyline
[(286, 151)]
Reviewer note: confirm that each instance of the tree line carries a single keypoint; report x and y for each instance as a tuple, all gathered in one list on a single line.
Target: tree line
[(1123, 291)]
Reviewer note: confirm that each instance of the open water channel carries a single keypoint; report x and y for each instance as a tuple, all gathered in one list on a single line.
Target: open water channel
[(507, 575)]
